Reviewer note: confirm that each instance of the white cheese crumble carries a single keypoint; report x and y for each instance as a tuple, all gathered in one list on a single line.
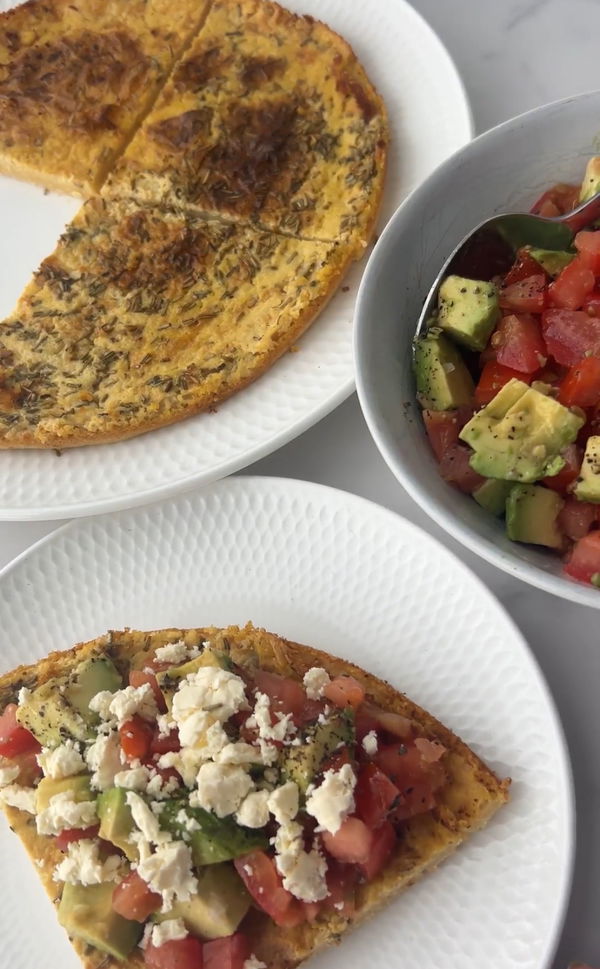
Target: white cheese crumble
[(64, 813), (83, 865), (221, 788), (103, 757), (62, 761), (168, 931), (124, 704), (304, 874), (8, 774), (283, 802), (186, 762), (159, 788), (165, 724), (254, 810), (253, 963), (315, 682), (210, 690), (135, 779), (23, 696), (145, 820), (261, 719), (369, 743), (333, 800), (22, 798), (240, 753), (169, 872), (172, 652)]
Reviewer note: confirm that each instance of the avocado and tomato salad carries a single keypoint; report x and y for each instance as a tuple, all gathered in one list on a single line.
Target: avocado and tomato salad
[(186, 797), (508, 379)]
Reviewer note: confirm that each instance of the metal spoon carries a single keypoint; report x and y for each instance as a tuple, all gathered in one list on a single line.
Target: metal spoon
[(489, 250)]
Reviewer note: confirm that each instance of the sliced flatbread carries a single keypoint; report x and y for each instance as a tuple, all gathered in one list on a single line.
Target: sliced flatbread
[(471, 796), (270, 118), (77, 76), (142, 317)]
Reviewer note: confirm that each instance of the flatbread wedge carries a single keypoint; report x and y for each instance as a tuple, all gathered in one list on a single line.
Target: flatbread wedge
[(76, 78), (465, 800)]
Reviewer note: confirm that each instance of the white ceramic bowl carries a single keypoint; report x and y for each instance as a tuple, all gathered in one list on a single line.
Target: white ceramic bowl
[(503, 170)]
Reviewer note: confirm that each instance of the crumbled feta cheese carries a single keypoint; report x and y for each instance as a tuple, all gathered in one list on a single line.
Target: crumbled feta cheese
[(221, 788), (83, 865), (186, 762), (190, 824), (159, 788), (22, 798), (370, 743), (103, 757), (63, 813), (333, 800), (145, 820), (304, 874), (169, 872), (208, 695), (254, 810), (338, 905), (315, 682), (133, 701), (146, 936), (193, 728), (165, 724), (261, 718), (253, 963), (62, 761), (271, 775), (283, 802), (8, 774), (172, 652), (134, 780), (23, 696), (168, 930), (100, 704), (239, 753), (288, 838)]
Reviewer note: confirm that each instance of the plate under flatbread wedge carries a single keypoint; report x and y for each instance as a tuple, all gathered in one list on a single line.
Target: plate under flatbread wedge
[(142, 317), (269, 117), (76, 78), (298, 792)]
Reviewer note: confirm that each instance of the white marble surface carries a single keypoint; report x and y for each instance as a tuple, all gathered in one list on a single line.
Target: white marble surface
[(513, 55)]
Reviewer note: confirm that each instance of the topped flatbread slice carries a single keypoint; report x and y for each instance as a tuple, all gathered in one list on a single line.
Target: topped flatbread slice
[(268, 118), (76, 78)]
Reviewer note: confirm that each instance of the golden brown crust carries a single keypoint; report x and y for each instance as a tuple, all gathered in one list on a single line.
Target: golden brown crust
[(469, 800)]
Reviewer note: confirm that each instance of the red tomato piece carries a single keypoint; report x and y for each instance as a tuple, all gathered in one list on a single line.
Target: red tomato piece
[(164, 745), (562, 481), (519, 344), (572, 285), (558, 200), (456, 470), (416, 779), (230, 952), (341, 881), (29, 769), (591, 304), (383, 844), (133, 899), (139, 677), (264, 883), (345, 692), (374, 795), (523, 267), (442, 430), (584, 561), (64, 839), (581, 386), (136, 736), (351, 843), (311, 711), (389, 721), (177, 954), (588, 245), (337, 760), (525, 296), (570, 335), (15, 739), (364, 721), (577, 517), (493, 378), (286, 695)]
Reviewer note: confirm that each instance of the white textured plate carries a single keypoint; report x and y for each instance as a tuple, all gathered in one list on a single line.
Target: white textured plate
[(429, 118), (337, 572)]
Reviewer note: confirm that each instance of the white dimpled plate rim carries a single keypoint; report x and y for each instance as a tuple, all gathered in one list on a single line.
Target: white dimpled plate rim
[(429, 119), (332, 570)]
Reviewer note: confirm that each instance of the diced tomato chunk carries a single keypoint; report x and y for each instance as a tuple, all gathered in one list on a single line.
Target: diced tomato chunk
[(140, 677), (591, 304), (442, 430), (581, 386), (558, 200), (562, 481), (230, 952), (341, 881), (364, 721), (286, 695), (374, 795), (177, 954), (525, 296), (519, 344), (134, 899), (493, 378), (264, 883), (588, 245), (345, 692), (394, 723), (164, 745), (337, 760), (64, 839), (311, 711), (136, 737), (29, 769), (523, 267), (416, 778), (577, 517), (382, 846), (572, 285), (351, 843), (570, 335), (455, 468), (15, 739), (584, 561)]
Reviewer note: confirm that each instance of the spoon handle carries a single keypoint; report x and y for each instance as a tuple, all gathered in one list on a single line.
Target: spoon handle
[(582, 216)]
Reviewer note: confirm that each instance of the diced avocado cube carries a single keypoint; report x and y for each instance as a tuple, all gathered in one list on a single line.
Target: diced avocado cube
[(211, 839), (520, 434), (78, 786), (591, 180), (531, 516), (301, 763), (89, 678), (588, 482), (552, 261), (492, 495), (86, 912), (50, 717), (468, 310), (443, 381), (217, 909), (169, 679), (116, 822)]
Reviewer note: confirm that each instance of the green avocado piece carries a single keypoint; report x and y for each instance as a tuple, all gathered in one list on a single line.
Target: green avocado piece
[(531, 514), (210, 838), (219, 906), (86, 912), (492, 495), (468, 310), (443, 381), (588, 482), (78, 786), (591, 180), (552, 261), (89, 678), (300, 764), (116, 822), (519, 435), (169, 679)]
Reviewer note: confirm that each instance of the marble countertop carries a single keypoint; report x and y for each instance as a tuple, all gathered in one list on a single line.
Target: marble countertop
[(513, 55)]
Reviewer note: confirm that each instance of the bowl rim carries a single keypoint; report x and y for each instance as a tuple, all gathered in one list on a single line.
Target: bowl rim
[(558, 585)]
